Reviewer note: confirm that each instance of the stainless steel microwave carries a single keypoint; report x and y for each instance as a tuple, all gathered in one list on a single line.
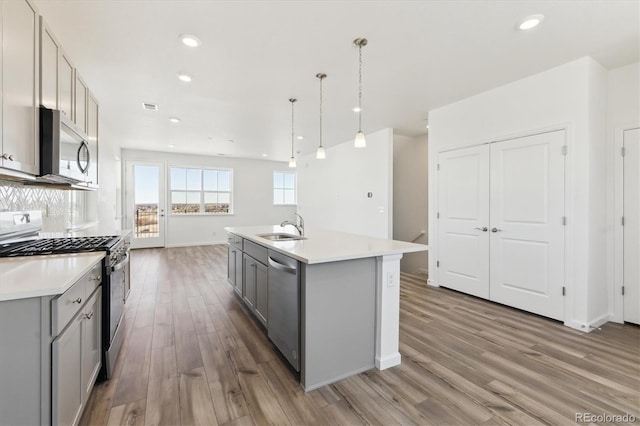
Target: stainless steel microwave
[(64, 152)]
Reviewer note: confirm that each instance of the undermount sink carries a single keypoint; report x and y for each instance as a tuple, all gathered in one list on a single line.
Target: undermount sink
[(280, 236)]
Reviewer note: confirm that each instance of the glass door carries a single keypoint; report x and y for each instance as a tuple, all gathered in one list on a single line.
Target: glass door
[(146, 203)]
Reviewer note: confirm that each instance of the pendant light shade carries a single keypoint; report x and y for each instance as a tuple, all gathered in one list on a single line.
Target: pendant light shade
[(360, 141), (321, 153), (292, 160)]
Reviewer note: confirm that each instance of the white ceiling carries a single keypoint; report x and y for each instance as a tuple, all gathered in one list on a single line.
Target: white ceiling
[(255, 55)]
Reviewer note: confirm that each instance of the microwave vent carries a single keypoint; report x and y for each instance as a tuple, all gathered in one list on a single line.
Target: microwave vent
[(149, 107)]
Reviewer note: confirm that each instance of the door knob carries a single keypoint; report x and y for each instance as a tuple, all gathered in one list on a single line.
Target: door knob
[(496, 230), (483, 229)]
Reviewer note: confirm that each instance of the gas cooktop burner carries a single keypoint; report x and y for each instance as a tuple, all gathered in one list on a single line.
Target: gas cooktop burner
[(58, 246)]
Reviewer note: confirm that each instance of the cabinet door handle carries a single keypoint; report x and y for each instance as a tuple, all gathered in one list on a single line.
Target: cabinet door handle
[(496, 230), (6, 156), (483, 229), (89, 315), (78, 300)]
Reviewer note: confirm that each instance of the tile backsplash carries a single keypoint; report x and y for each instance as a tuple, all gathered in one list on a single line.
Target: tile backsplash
[(51, 202)]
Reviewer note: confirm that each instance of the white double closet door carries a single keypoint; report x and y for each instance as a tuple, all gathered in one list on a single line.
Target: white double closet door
[(500, 229)]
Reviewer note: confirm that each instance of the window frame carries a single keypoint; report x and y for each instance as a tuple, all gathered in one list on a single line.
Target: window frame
[(295, 188), (201, 191)]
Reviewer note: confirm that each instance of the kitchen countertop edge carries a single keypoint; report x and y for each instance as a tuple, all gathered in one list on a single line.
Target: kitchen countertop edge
[(39, 282), (384, 247)]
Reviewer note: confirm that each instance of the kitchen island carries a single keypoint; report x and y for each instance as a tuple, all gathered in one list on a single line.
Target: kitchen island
[(349, 297)]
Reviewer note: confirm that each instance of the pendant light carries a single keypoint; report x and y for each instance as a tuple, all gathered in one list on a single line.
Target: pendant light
[(360, 141), (292, 160), (321, 154)]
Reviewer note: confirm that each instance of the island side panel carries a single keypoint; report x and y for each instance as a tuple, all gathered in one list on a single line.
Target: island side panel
[(338, 303), (21, 358)]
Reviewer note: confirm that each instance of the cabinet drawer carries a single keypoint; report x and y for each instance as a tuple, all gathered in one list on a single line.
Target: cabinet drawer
[(93, 279), (238, 242), (256, 251), (65, 306)]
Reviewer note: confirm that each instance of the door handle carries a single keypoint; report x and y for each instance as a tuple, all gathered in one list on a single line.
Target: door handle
[(496, 230), (483, 229)]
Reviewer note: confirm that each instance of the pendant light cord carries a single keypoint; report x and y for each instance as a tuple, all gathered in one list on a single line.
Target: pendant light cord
[(321, 78), (292, 132), (359, 87)]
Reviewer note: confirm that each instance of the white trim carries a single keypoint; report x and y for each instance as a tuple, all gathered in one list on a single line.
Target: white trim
[(129, 199), (204, 243), (201, 191), (618, 231), (295, 188), (388, 361)]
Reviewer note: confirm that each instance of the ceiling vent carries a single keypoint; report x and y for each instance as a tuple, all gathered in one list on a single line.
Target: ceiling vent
[(149, 107)]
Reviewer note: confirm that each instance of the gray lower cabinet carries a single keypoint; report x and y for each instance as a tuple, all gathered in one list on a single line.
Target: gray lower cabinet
[(255, 287), (49, 364), (234, 263), (76, 363)]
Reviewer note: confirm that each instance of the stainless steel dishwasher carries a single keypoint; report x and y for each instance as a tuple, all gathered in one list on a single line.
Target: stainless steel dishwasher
[(283, 322)]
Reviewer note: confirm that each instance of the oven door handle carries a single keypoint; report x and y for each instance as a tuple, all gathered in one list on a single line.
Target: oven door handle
[(121, 264)]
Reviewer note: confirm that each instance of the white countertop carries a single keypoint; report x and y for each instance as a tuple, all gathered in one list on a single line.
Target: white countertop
[(321, 246), (92, 231), (35, 276)]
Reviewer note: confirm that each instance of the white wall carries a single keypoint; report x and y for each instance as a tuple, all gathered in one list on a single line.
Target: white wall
[(570, 96), (252, 197), (332, 193), (109, 179), (623, 111), (410, 203)]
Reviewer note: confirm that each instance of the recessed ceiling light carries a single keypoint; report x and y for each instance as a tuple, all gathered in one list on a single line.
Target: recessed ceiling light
[(149, 107), (265, 155), (184, 77), (530, 22), (357, 109), (172, 145), (190, 40), (174, 120), (300, 137)]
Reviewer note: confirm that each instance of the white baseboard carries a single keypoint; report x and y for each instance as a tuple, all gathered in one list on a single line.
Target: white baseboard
[(591, 325), (388, 361), (204, 243)]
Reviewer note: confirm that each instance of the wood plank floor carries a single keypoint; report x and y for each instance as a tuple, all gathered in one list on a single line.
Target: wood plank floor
[(192, 355)]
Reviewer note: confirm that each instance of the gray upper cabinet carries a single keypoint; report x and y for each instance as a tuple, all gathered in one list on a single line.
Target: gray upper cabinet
[(49, 68), (92, 133), (80, 116), (66, 80), (20, 86)]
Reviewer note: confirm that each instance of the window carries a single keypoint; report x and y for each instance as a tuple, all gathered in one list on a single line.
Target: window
[(284, 188), (200, 190)]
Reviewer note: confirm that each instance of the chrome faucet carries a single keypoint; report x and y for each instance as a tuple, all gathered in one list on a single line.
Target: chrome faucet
[(299, 227)]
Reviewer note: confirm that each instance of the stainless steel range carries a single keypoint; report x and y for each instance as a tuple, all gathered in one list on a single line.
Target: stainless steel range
[(19, 237)]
